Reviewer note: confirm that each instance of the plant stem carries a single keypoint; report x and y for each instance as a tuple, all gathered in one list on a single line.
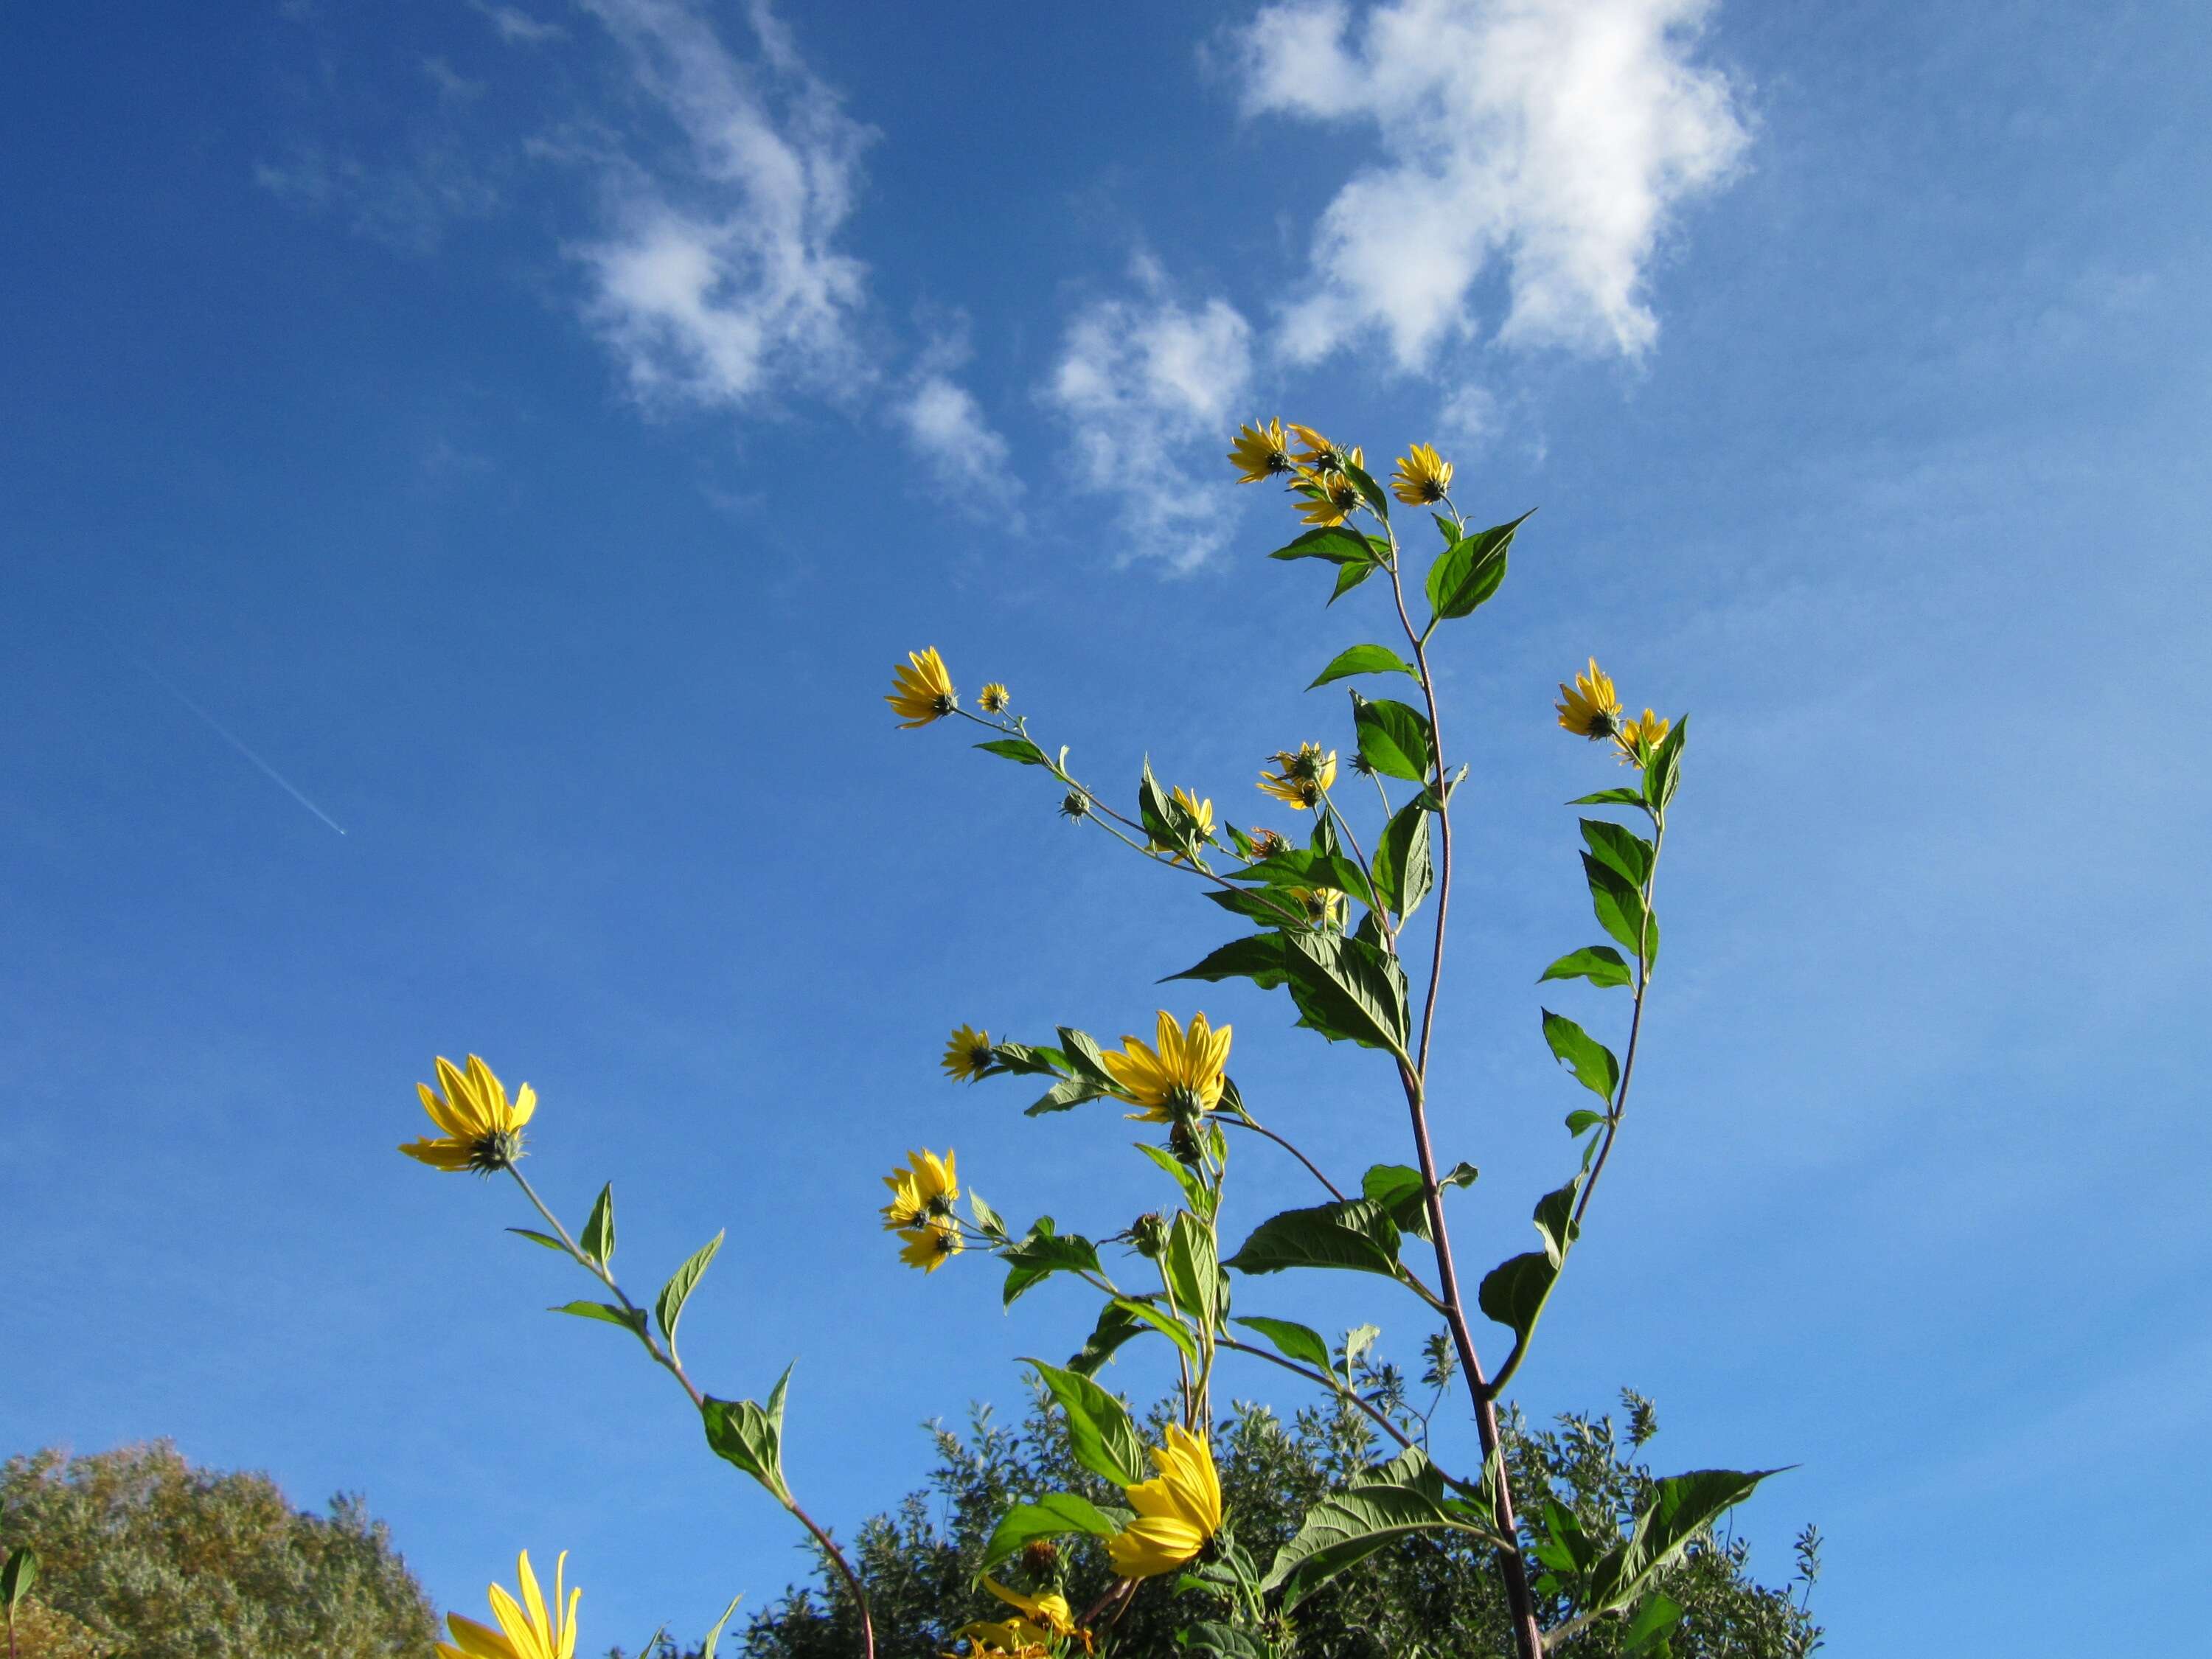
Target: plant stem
[(1259, 1129), (1620, 1103)]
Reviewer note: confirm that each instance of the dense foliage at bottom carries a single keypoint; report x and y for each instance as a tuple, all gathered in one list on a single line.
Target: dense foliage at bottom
[(1421, 1599)]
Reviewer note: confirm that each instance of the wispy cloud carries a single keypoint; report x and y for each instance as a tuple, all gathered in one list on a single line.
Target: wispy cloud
[(408, 204), (946, 428), (1138, 382), (720, 277), (1553, 137), (517, 26)]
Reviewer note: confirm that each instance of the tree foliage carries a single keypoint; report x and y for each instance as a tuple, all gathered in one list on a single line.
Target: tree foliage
[(142, 1556)]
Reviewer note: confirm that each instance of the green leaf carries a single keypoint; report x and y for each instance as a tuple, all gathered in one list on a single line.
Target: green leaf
[(1192, 1271), (1156, 1318), (1205, 1637), (1664, 775), (1100, 1433), (1153, 808), (751, 1437), (986, 1216), (668, 1308), (1601, 964), (1042, 1254), (598, 1240), (1403, 872), (1195, 1192), (1349, 576), (1581, 1120), (18, 1577), (1084, 1056), (1610, 798), (1346, 1527), (714, 1643), (1394, 739), (1468, 572), (1452, 532), (1397, 1188), (1368, 488), (1053, 1516), (1296, 1341), (1651, 1626), (1259, 958), (1116, 1325), (1067, 1092), (1591, 1062), (1297, 867), (1358, 1235), (1030, 1058), (1514, 1291), (1619, 849), (1347, 987), (1260, 905), (546, 1239), (1682, 1508), (1016, 749), (1620, 909), (605, 1312), (1339, 543), (1364, 659)]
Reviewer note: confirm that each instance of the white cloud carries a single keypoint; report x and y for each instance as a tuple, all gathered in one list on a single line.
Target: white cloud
[(944, 426), (518, 26), (720, 278), (1138, 382), (1552, 136), (450, 81)]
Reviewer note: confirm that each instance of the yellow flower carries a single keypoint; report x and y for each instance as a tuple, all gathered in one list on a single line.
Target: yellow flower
[(1589, 707), (1265, 844), (1259, 451), (921, 1193), (1324, 906), (1183, 1074), (482, 1132), (1422, 477), (1302, 777), (993, 700), (1336, 497), (924, 691), (929, 1246), (1201, 817), (1176, 1512), (1637, 738), (967, 1053), (526, 1629), (1315, 451), (1046, 1618)]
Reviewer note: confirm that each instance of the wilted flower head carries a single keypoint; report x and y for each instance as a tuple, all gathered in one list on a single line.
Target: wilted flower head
[(1589, 707), (1422, 477), (1075, 804), (482, 1130), (923, 692)]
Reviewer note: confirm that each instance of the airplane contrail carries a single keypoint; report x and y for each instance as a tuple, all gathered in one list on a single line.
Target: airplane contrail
[(223, 731)]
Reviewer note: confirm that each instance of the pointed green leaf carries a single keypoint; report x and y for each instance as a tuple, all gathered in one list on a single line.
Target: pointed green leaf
[(1190, 1269), (598, 1239), (1084, 1055), (1368, 488), (1610, 798), (1581, 1120), (1626, 853), (546, 1239), (1340, 543), (1346, 1527), (1468, 572), (1591, 1062), (1296, 1341), (1403, 872), (1601, 964), (1393, 737), (714, 1643), (1364, 659), (1664, 775), (1651, 1626), (1195, 1192), (1067, 1092), (605, 1312), (1514, 1291), (1053, 1516), (669, 1307), (1016, 749), (19, 1577), (1100, 1433), (1043, 1253), (1620, 909), (1347, 989), (1259, 958), (1397, 1188), (1359, 1235), (751, 1437), (1150, 1316), (1116, 1325), (1349, 576)]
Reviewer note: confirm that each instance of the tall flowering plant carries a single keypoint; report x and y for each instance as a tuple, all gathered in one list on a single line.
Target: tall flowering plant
[(1374, 982)]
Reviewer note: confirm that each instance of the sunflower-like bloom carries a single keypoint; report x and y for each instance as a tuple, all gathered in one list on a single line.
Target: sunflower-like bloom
[(920, 1193), (922, 693), (967, 1054), (1589, 707), (1259, 451), (1324, 907), (1183, 1074), (1338, 499), (1044, 1619), (482, 1130), (1201, 817), (930, 1246), (1302, 778), (1317, 452), (1637, 738), (992, 699), (1176, 1512), (1422, 477), (526, 1629)]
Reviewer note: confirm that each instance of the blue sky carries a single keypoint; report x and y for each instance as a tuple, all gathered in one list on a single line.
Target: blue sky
[(533, 431)]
